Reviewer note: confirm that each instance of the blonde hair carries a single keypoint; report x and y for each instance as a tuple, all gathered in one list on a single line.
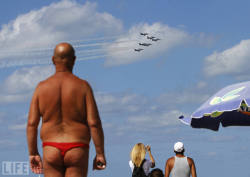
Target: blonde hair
[(137, 154)]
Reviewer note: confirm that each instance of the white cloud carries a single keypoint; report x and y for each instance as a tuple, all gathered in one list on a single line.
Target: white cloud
[(155, 119), (137, 112), (26, 79), (43, 28), (4, 143), (14, 98), (182, 98), (31, 37), (19, 123), (123, 103), (234, 60), (19, 86), (2, 116), (142, 112), (18, 127), (224, 138), (122, 50), (201, 84), (204, 39), (212, 154), (150, 123)]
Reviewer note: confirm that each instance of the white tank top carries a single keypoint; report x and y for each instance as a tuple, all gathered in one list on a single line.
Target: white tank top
[(181, 167)]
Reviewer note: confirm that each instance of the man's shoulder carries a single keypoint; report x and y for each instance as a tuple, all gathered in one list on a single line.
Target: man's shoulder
[(83, 84), (171, 159), (44, 82), (190, 160), (170, 162), (86, 84), (82, 81)]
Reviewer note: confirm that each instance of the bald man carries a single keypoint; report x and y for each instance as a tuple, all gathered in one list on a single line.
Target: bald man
[(69, 119)]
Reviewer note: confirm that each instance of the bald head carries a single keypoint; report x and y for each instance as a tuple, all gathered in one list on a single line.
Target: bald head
[(64, 50), (64, 54)]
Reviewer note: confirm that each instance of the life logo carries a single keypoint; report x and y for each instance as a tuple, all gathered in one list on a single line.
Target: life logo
[(227, 97), (15, 168)]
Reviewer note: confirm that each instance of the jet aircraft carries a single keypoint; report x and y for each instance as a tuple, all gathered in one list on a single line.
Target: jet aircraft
[(144, 34), (150, 37), (138, 50), (155, 39), (145, 44)]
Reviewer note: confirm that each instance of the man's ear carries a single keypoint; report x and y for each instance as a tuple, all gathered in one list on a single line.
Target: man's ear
[(74, 59), (53, 60)]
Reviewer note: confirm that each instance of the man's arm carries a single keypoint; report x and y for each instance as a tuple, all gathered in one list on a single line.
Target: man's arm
[(167, 168), (193, 169), (96, 130), (32, 125)]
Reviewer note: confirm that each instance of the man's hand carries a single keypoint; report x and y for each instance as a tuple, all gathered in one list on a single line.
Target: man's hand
[(36, 164), (148, 148), (99, 162)]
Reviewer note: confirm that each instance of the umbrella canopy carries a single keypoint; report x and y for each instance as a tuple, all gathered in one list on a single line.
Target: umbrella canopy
[(228, 107)]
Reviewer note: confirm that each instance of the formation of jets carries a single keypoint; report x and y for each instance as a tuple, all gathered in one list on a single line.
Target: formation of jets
[(152, 38)]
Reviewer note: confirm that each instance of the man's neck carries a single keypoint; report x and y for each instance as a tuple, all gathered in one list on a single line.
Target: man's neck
[(62, 68), (180, 155)]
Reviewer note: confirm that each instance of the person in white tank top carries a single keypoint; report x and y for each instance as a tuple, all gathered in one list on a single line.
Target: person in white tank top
[(180, 165)]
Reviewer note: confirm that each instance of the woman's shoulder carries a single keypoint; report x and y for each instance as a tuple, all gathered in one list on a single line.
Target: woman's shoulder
[(130, 163)]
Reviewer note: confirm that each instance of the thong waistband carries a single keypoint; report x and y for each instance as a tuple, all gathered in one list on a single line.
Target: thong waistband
[(64, 147)]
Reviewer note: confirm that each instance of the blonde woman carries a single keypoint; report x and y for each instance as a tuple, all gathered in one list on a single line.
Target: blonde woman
[(138, 163)]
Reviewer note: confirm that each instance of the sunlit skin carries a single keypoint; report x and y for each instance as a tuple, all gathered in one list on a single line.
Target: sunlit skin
[(69, 113), (148, 148), (170, 164)]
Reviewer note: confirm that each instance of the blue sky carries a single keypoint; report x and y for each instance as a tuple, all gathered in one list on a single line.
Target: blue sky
[(204, 46)]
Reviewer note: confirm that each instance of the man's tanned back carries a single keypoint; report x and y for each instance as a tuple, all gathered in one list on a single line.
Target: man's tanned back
[(62, 104), (69, 120)]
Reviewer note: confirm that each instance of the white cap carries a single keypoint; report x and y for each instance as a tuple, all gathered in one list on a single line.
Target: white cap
[(178, 147)]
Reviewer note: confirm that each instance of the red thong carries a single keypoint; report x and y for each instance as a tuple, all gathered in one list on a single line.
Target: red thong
[(64, 147)]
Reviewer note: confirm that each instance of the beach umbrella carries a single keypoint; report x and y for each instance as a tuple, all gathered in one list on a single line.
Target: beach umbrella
[(228, 107)]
